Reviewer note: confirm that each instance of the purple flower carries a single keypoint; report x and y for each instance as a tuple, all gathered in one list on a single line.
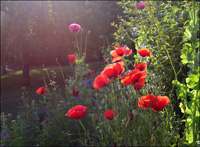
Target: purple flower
[(53, 82), (132, 33), (37, 117), (141, 5), (54, 89)]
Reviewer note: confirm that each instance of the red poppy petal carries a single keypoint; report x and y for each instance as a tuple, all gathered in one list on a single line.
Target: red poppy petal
[(128, 52), (133, 71), (109, 114), (114, 53), (109, 72), (126, 80), (160, 103), (100, 81), (117, 59), (144, 102)]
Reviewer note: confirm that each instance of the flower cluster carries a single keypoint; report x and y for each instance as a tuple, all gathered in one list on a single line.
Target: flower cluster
[(155, 102)]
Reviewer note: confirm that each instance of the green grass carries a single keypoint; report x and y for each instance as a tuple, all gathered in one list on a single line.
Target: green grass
[(11, 84)]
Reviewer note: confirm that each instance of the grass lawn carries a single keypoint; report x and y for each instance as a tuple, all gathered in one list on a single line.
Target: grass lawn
[(11, 85)]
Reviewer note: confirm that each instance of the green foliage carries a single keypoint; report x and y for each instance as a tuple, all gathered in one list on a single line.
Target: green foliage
[(189, 92)]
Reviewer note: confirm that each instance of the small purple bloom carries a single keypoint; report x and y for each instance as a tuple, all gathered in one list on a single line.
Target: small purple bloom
[(53, 82), (133, 33), (54, 89), (36, 116), (141, 5)]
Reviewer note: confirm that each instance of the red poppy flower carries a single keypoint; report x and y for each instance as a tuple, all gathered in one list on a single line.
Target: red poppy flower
[(144, 101), (120, 51), (75, 91), (140, 66), (156, 102), (159, 103), (74, 28), (136, 78), (41, 90), (144, 52), (114, 70), (141, 5), (72, 58), (100, 81), (109, 114), (77, 112), (90, 72)]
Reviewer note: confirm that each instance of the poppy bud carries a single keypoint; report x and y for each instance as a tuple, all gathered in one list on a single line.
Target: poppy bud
[(89, 32)]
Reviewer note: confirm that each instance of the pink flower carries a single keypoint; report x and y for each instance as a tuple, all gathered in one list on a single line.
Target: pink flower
[(74, 28), (141, 5)]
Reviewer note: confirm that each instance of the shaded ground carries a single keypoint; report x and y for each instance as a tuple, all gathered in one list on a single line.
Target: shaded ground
[(11, 85)]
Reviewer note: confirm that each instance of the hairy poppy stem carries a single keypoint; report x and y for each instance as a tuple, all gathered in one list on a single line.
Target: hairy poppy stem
[(84, 131), (81, 44), (171, 62), (61, 71), (85, 49)]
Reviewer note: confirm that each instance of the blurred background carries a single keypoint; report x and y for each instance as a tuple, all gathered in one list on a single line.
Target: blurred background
[(37, 33)]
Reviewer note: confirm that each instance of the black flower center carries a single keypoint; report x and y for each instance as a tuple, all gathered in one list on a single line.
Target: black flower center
[(75, 30)]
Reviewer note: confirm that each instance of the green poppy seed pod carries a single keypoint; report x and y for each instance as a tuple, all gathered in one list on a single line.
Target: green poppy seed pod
[(9, 115), (89, 32), (13, 121), (101, 36)]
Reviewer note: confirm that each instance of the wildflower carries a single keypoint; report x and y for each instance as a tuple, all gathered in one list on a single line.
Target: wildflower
[(90, 72), (144, 101), (75, 91), (155, 102), (77, 112), (109, 114), (54, 89), (159, 103), (144, 52), (140, 66), (74, 28), (53, 82), (135, 78), (120, 51), (100, 81), (141, 5), (114, 70), (72, 58), (41, 90)]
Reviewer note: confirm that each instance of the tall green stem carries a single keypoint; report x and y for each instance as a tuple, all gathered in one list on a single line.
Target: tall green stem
[(171, 62), (81, 44), (85, 48)]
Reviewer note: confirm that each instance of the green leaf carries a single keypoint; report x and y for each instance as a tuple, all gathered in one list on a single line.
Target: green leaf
[(181, 91), (187, 53), (185, 109), (193, 81)]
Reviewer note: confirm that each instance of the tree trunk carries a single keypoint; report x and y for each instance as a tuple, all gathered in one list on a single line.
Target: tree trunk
[(26, 56)]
